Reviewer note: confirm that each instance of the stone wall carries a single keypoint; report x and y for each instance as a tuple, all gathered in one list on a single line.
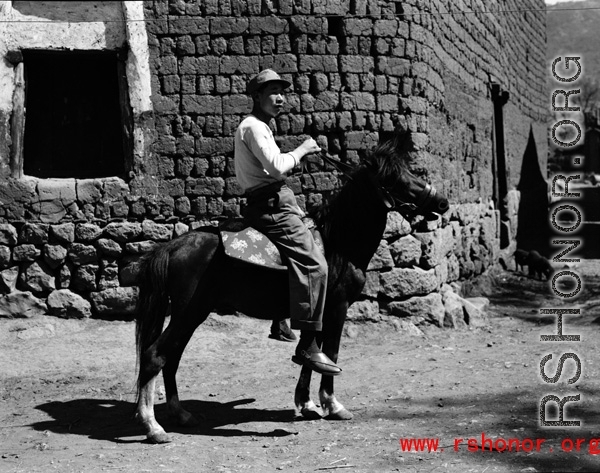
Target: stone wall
[(361, 72)]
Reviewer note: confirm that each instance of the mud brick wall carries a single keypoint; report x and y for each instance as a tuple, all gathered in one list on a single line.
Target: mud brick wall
[(361, 72)]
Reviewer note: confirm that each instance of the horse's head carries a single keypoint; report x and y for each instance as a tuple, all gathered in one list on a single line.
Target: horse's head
[(398, 188)]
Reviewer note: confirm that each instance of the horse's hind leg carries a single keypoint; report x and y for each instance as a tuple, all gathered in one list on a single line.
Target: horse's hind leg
[(151, 363), (194, 315)]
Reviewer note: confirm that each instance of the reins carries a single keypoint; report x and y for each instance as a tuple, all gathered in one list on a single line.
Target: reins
[(388, 198), (344, 168)]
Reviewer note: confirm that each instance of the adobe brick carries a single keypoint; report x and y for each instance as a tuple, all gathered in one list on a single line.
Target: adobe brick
[(171, 84), (361, 140), (202, 44), (392, 66), (204, 186), (356, 64), (358, 27), (364, 46), (285, 64), (185, 46), (171, 187), (326, 101), (167, 65), (188, 84), (385, 28), (232, 188), (211, 146), (236, 45), (218, 46), (268, 25), (188, 25), (309, 25), (184, 145), (228, 26), (203, 105), (387, 103), (236, 103), (239, 65)]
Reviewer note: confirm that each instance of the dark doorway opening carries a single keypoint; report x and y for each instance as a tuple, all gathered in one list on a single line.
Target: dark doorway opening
[(73, 124)]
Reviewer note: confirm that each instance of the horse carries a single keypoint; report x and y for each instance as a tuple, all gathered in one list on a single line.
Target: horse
[(191, 276)]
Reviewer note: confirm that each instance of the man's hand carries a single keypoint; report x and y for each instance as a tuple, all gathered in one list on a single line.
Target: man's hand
[(308, 147)]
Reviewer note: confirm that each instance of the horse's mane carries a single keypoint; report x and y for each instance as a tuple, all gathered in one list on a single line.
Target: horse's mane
[(343, 214)]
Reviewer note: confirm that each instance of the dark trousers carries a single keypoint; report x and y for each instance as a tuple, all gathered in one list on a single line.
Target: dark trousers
[(275, 213)]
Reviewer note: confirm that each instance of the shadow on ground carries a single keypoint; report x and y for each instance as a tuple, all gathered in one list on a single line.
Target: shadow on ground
[(95, 418)]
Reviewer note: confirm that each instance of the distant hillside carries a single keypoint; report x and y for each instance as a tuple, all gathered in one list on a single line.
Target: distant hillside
[(575, 32)]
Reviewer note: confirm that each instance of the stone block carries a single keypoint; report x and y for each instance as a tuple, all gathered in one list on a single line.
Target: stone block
[(80, 253), (37, 277), (26, 253), (429, 308), (68, 305), (372, 285), (382, 259), (54, 255), (454, 312), (109, 248), (21, 304), (84, 278), (8, 234), (118, 302), (87, 232), (140, 247), (8, 279), (396, 226), (34, 233), (123, 231), (435, 245), (157, 231), (5, 256), (362, 311), (406, 251), (400, 283)]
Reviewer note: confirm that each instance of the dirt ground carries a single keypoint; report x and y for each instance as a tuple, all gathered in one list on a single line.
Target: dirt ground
[(67, 393)]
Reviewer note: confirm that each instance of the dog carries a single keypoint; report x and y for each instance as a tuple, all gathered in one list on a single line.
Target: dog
[(538, 265), (521, 259)]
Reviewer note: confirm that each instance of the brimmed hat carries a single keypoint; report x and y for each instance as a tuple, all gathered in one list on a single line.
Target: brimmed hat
[(268, 75)]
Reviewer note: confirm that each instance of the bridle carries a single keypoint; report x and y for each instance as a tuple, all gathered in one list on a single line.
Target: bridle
[(388, 197)]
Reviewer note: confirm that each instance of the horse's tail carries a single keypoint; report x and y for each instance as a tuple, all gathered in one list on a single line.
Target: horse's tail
[(152, 305)]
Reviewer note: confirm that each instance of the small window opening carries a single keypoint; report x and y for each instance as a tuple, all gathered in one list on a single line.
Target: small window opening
[(73, 123)]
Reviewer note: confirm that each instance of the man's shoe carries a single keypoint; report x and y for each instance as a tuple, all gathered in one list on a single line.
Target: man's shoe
[(317, 361), (282, 332)]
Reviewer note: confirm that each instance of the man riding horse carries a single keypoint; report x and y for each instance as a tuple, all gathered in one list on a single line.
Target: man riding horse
[(261, 168)]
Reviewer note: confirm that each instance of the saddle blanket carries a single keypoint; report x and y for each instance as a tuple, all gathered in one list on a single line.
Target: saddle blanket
[(250, 246)]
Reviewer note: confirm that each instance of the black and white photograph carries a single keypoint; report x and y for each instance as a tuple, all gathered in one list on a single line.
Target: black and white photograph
[(252, 236)]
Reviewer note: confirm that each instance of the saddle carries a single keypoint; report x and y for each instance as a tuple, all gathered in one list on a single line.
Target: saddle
[(250, 246)]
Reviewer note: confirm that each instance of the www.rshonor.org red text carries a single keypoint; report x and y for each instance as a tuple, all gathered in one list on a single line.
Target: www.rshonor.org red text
[(499, 444)]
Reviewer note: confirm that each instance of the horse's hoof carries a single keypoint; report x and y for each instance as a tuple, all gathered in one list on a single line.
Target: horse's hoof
[(159, 437), (342, 414), (311, 413)]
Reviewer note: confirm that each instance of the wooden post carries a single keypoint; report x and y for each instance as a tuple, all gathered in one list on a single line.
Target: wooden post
[(17, 124)]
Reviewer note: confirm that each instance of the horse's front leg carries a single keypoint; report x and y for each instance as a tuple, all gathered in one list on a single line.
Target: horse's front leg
[(305, 407), (332, 335)]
